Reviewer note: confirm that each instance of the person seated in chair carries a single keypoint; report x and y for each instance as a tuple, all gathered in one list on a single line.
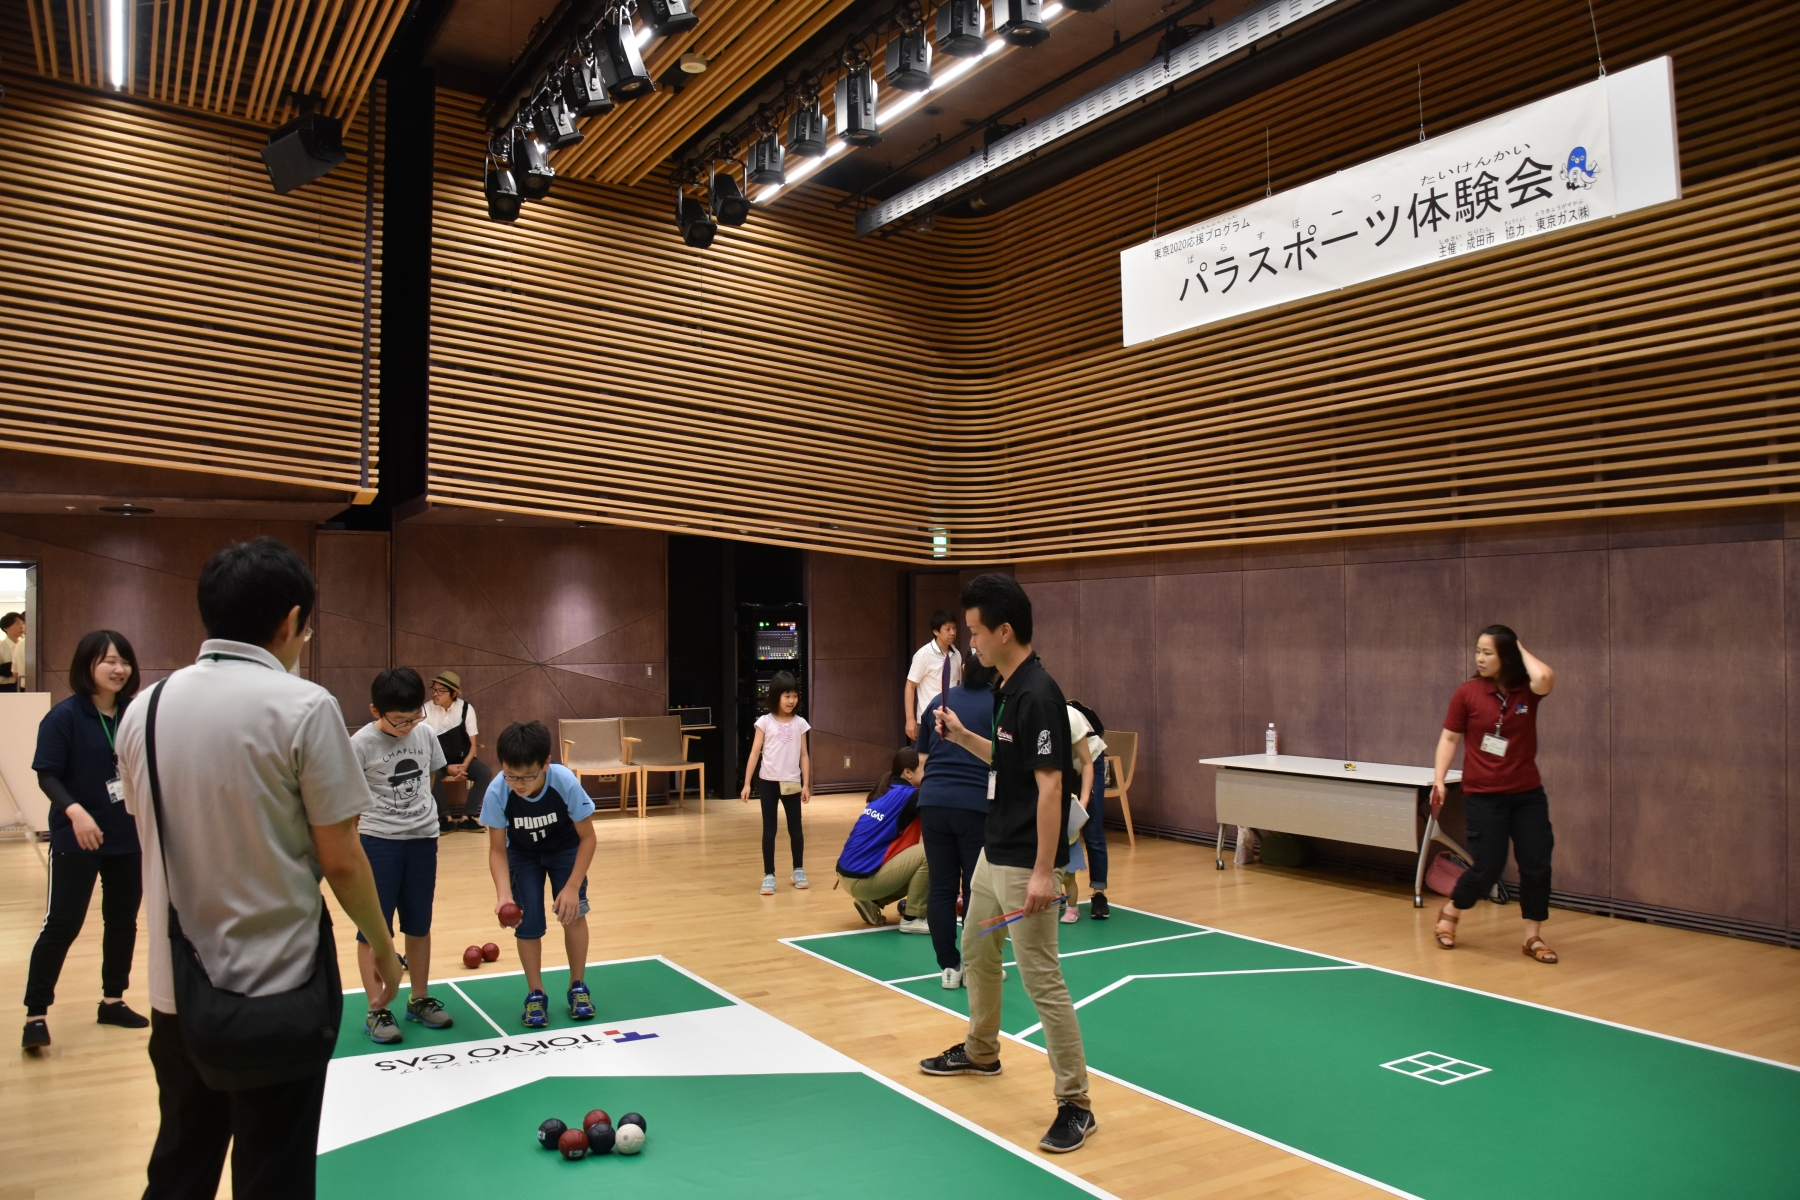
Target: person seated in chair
[(883, 859)]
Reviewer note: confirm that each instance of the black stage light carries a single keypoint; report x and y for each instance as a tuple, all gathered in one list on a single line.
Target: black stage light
[(1020, 22), (959, 26), (303, 150), (856, 116), (554, 122), (806, 131), (727, 201), (697, 225), (583, 86), (768, 162), (909, 61), (502, 196), (620, 63), (672, 16), (531, 169)]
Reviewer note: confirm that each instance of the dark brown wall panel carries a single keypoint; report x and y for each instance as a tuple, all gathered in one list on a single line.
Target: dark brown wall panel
[(352, 639), (1199, 683), (1294, 660), (858, 681), (1406, 649), (1118, 670), (540, 623), (1557, 604), (1790, 550), (1699, 757)]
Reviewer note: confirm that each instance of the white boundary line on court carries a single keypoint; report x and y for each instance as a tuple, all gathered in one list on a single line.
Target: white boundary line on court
[(1116, 984), (476, 1007), (1175, 937)]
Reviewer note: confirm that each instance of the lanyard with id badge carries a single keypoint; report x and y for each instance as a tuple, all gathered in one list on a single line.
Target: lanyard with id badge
[(1493, 743), (115, 787), (994, 749)]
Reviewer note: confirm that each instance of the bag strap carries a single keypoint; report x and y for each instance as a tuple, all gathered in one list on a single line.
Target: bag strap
[(156, 798)]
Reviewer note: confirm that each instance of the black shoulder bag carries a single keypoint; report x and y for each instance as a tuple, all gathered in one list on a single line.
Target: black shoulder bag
[(455, 742), (239, 1042)]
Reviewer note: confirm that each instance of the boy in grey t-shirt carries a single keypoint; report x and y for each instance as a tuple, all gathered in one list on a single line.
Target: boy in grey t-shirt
[(401, 759)]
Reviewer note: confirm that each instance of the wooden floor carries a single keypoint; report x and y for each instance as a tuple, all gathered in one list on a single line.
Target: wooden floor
[(78, 1120)]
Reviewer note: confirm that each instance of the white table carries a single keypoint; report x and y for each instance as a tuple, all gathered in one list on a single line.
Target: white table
[(1370, 804)]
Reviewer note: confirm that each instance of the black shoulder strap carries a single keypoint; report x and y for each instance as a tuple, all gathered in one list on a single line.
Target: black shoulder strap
[(464, 723), (162, 847)]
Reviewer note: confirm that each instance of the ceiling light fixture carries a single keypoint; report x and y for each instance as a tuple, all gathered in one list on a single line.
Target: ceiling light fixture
[(697, 225), (304, 149), (806, 130), (668, 17), (959, 27), (584, 86), (503, 200), (621, 64), (727, 201), (530, 162), (857, 120), (554, 122), (692, 64), (909, 61), (1020, 22), (767, 164), (116, 31)]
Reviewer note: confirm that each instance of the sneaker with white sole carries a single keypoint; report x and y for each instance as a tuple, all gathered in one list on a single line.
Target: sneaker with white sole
[(953, 978), (381, 1027), (955, 1061), (1071, 914), (916, 925), (870, 912), (768, 885), (1098, 908), (1071, 1129), (800, 880)]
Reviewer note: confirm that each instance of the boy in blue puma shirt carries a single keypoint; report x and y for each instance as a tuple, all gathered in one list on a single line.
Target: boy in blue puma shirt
[(539, 829)]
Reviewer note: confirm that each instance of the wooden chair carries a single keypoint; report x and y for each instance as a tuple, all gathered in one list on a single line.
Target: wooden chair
[(598, 747), (1121, 755), (660, 746)]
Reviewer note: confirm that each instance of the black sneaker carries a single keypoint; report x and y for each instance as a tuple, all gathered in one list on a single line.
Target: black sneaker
[(955, 1061), (1070, 1130), (1098, 909), (122, 1016), (37, 1034)]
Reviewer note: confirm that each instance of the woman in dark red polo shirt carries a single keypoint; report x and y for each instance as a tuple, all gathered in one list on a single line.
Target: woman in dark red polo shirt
[(1497, 713)]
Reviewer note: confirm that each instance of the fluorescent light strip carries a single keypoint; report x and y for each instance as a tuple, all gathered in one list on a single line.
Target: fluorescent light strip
[(115, 43)]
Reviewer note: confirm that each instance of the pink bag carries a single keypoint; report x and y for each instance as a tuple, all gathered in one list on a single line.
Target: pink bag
[(1442, 875)]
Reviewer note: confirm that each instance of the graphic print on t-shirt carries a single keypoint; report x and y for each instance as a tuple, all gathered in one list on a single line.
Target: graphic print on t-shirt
[(407, 782)]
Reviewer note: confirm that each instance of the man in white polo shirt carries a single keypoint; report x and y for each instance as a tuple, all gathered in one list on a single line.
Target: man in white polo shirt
[(925, 679), (260, 793)]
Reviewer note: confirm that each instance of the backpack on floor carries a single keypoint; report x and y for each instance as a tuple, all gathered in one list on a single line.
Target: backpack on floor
[(1444, 872)]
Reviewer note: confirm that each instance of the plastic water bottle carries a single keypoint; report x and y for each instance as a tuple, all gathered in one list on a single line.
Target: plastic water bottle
[(1270, 741)]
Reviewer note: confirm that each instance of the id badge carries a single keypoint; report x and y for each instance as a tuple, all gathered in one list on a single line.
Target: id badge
[(993, 776), (1494, 744), (115, 788)]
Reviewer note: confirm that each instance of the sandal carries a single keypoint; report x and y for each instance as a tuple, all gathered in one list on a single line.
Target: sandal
[(1537, 948), (1446, 938)]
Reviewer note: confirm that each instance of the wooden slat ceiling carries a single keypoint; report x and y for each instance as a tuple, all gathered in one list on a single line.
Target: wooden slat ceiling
[(237, 58), (159, 305), (743, 41), (791, 385)]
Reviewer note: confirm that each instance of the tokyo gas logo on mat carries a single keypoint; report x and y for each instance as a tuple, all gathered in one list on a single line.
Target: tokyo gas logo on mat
[(488, 1052)]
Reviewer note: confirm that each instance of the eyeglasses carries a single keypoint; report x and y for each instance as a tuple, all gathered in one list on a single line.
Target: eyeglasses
[(511, 778), (399, 721)]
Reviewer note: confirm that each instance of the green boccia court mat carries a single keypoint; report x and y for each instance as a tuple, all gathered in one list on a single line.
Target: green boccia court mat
[(1422, 1088)]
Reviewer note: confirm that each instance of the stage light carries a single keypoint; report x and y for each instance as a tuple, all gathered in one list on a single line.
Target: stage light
[(672, 16), (303, 150), (584, 87), (856, 116), (909, 61), (959, 26), (503, 199), (1020, 22), (531, 169), (620, 63), (727, 201), (697, 225), (806, 131), (768, 161), (554, 122)]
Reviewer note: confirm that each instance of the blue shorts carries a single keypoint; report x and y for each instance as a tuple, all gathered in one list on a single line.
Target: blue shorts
[(405, 879), (529, 872)]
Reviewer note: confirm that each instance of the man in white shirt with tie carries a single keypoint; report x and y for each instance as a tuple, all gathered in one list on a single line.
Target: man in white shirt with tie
[(925, 680)]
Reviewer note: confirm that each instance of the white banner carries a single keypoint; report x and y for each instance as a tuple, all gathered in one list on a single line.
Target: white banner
[(1588, 153)]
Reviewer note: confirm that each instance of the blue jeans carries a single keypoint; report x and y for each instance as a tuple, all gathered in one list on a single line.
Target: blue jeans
[(529, 872), (405, 879), (1093, 834), (953, 839)]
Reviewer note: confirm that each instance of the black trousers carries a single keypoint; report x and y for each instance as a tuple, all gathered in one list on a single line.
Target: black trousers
[(71, 890), (769, 792), (1495, 819), (273, 1132), (469, 805), (953, 838)]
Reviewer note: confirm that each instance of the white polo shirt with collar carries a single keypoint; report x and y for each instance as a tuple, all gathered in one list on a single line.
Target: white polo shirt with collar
[(927, 673), (249, 757)]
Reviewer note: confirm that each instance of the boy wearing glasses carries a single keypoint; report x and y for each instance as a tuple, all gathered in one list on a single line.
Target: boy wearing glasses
[(540, 829), (401, 759)]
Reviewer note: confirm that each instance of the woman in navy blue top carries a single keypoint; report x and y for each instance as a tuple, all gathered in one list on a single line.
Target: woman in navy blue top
[(953, 805), (91, 835)]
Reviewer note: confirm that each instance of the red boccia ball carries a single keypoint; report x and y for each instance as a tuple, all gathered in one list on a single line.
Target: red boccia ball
[(472, 957), (511, 914), (596, 1117), (573, 1144), (490, 953)]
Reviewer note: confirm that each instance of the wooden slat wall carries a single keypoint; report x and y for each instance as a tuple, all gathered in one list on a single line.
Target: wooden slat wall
[(160, 305), (1644, 366), (238, 58), (586, 363)]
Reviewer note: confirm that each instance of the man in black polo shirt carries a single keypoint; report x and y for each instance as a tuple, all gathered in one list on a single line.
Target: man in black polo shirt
[(1031, 776)]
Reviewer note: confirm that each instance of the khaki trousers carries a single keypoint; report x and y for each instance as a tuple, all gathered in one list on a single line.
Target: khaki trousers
[(998, 890), (903, 875)]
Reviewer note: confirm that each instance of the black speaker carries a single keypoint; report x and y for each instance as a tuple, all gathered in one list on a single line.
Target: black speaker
[(303, 150), (909, 61), (856, 116)]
